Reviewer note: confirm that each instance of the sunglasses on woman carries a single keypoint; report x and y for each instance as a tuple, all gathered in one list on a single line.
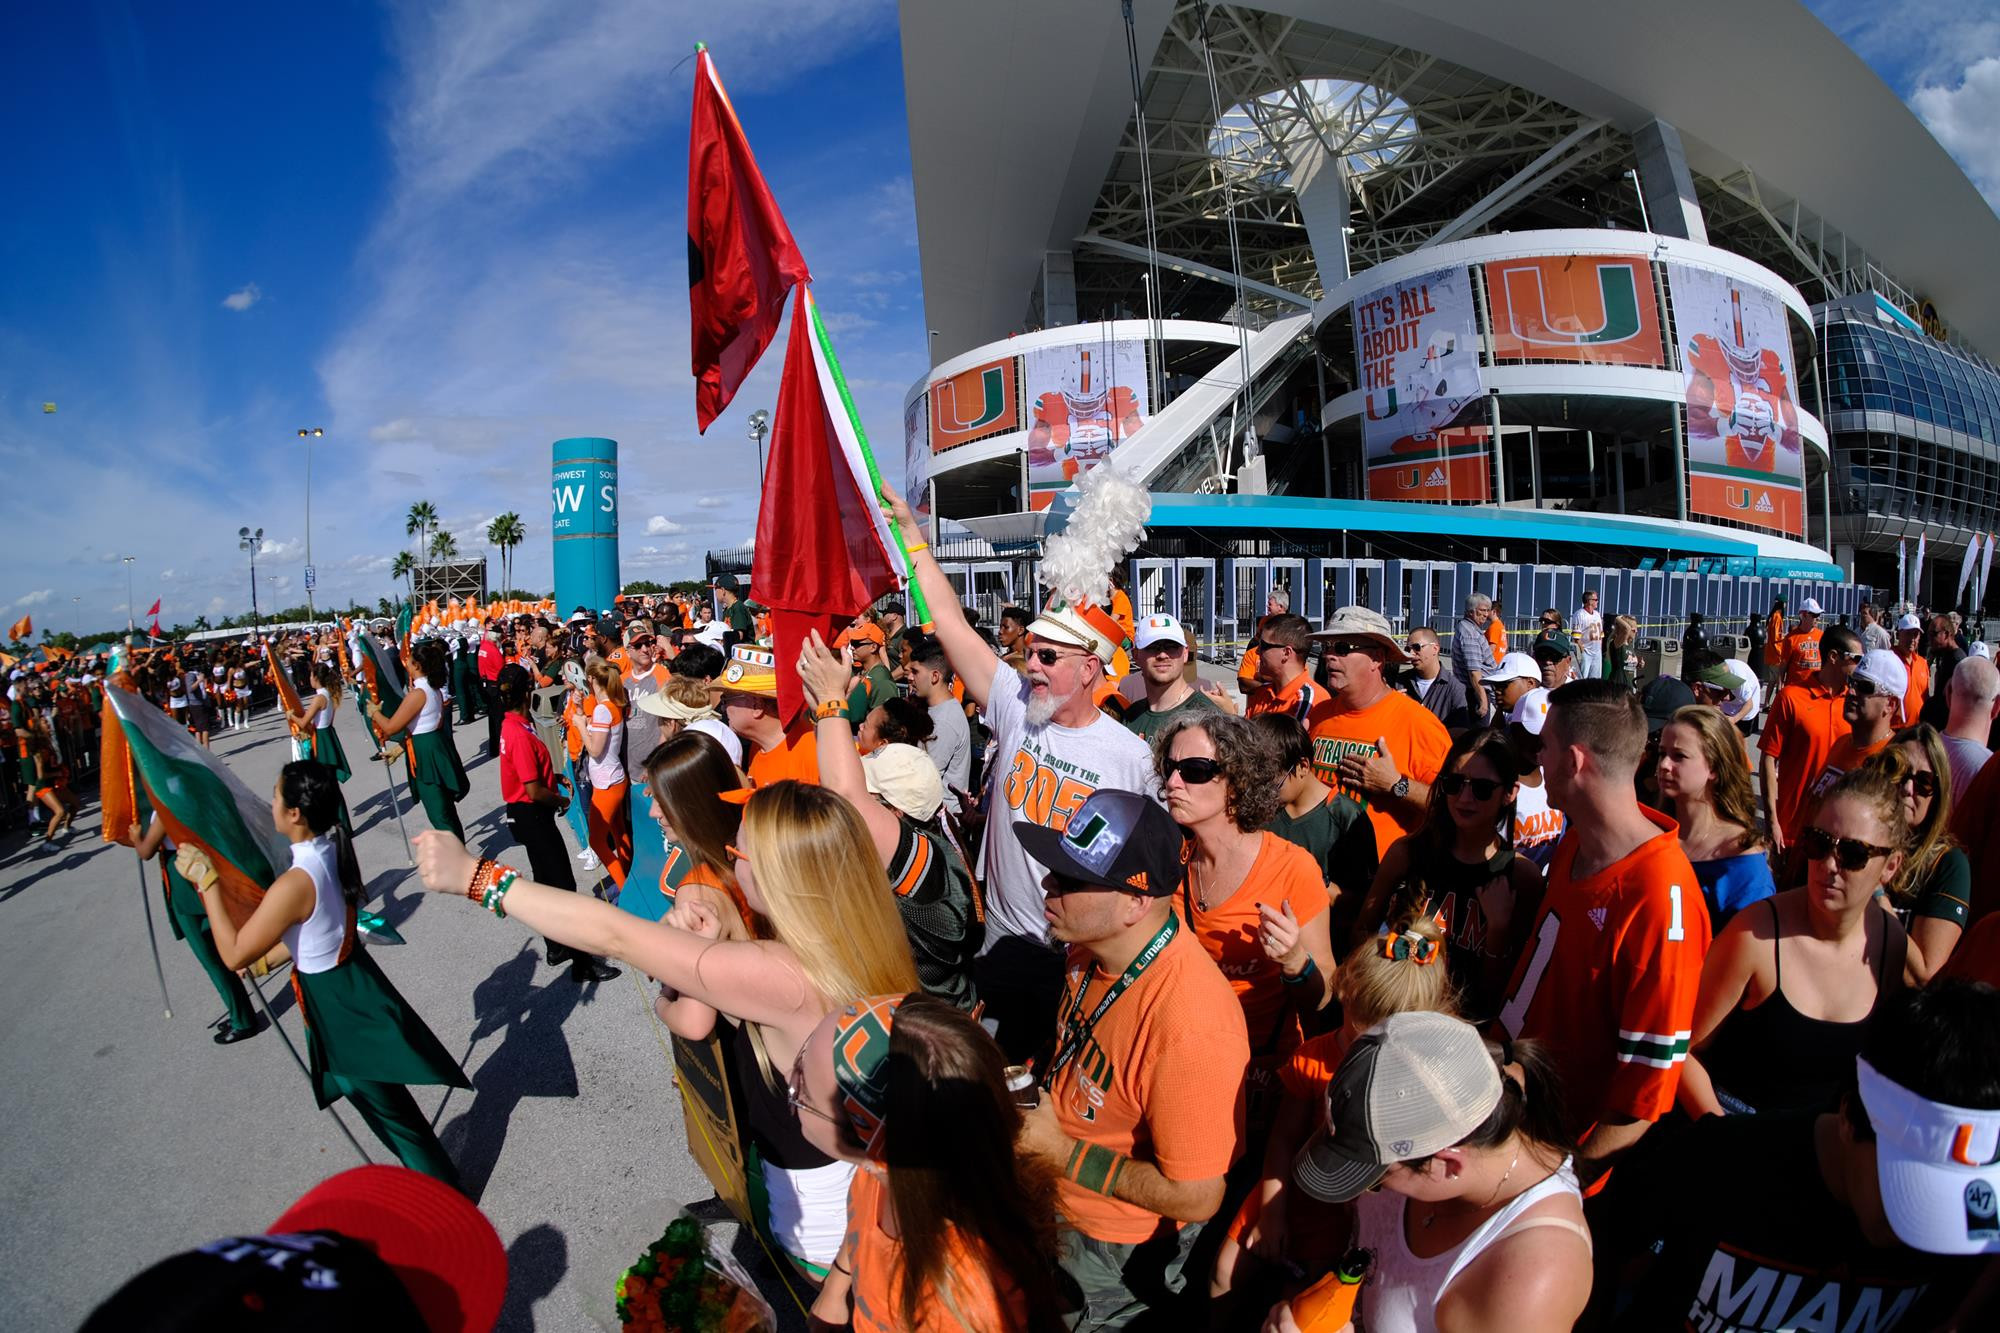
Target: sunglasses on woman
[(1850, 853), (1194, 772), (1451, 784), (1923, 783)]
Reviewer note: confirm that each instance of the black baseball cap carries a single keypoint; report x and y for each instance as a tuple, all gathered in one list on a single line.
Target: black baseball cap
[(1119, 839), (1662, 698), (1553, 643)]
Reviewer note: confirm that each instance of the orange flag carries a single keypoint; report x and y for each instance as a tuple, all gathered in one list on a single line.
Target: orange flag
[(287, 696), (22, 628), (115, 791)]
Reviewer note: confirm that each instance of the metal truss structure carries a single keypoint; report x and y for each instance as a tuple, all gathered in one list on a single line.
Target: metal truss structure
[(1429, 150)]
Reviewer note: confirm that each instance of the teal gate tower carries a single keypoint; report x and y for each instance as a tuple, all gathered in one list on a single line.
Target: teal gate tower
[(584, 523)]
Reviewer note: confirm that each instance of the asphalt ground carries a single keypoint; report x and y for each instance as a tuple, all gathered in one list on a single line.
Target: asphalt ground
[(130, 1136)]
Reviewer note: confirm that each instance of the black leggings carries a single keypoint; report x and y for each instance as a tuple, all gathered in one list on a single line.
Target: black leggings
[(535, 829)]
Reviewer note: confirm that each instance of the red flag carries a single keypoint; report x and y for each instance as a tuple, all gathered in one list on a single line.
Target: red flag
[(741, 257), (823, 545), (155, 608)]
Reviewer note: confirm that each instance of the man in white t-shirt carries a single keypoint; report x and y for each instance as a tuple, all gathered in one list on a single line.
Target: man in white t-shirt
[(1538, 826), (1052, 747), (950, 745), (1588, 626), (1974, 691)]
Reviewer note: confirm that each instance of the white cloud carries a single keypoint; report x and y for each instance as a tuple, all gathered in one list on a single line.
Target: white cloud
[(1964, 119), (659, 525), (284, 550), (243, 297), (710, 502), (166, 575), (35, 598), (215, 606)]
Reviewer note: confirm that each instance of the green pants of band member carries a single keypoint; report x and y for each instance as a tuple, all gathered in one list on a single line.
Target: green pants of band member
[(194, 928), (441, 810), (392, 1112)]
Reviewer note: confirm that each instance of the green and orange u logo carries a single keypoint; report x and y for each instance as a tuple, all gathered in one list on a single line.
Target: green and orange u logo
[(1530, 319)]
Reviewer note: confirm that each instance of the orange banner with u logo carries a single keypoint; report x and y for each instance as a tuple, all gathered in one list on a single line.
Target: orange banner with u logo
[(1765, 503), (1599, 309)]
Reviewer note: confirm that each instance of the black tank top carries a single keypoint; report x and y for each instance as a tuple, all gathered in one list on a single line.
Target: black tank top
[(1451, 886), (773, 1127), (1773, 1059)]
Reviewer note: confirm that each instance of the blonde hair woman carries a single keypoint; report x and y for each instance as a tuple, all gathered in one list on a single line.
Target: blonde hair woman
[(806, 864), (604, 766), (1397, 971)]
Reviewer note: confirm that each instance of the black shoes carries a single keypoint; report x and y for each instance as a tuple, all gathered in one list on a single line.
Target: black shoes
[(229, 1036), (591, 969), (558, 954)]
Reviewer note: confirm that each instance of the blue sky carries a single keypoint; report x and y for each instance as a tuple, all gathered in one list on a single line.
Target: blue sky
[(450, 234)]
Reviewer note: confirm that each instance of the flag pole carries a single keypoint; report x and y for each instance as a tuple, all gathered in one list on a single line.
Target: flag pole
[(388, 771), (811, 309), (272, 1018), (145, 898)]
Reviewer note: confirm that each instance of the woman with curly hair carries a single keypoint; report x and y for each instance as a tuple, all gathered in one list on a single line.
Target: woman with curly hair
[(1256, 902), (1931, 894)]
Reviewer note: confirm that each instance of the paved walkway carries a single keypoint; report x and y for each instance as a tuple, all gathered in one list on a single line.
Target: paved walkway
[(129, 1136)]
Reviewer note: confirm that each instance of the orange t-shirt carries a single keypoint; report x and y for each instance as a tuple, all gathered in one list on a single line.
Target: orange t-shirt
[(1246, 670), (1802, 656), (1296, 698), (1919, 669), (1774, 640), (975, 1302), (1283, 872), (1161, 1078), (795, 757), (1496, 634), (1804, 723), (1845, 756), (1416, 738), (1310, 1070)]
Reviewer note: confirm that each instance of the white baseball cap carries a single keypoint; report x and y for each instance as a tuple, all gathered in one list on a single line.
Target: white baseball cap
[(1909, 621), (1809, 607), (1885, 671), (1531, 710), (727, 739), (1939, 1167), (906, 778), (1514, 666), (1158, 629)]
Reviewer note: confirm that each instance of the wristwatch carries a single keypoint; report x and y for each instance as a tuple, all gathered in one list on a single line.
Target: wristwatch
[(1401, 789)]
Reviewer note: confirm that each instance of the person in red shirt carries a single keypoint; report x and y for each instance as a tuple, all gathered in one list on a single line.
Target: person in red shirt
[(491, 658), (1613, 962), (1283, 683), (1370, 741), (1799, 732), (528, 787)]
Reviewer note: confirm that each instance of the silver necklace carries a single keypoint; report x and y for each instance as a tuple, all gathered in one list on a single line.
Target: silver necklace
[(1433, 1215)]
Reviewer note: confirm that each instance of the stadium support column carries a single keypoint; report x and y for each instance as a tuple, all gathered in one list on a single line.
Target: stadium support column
[(1058, 293), (1664, 180), (1320, 185), (584, 523)]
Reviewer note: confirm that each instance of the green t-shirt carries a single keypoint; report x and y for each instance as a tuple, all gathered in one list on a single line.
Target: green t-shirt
[(1147, 724), (742, 620), (875, 686), (1340, 837)]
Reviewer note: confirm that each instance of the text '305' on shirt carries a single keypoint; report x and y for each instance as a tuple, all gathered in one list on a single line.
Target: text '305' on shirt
[(1159, 1076), (1040, 775), (1416, 739), (1609, 977)]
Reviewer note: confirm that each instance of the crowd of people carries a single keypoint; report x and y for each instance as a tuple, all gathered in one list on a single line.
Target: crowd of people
[(1068, 988)]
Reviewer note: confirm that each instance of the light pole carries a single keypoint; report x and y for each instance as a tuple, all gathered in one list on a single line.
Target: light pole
[(76, 615), (760, 426), (130, 623), (252, 542), (309, 434)]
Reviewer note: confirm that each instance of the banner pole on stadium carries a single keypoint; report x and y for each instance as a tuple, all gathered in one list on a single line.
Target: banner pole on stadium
[(272, 1018)]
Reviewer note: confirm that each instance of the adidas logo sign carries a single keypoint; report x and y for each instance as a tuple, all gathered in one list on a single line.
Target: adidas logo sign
[(1597, 916), (1764, 505), (1436, 478)]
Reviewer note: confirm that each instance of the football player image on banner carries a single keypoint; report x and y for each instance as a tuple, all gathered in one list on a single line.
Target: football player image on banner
[(1087, 397), (1745, 460), (1417, 344)]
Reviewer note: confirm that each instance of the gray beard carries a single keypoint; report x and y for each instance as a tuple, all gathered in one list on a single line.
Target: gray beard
[(1042, 708)]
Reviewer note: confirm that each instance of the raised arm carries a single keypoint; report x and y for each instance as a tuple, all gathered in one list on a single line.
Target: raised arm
[(963, 648), (827, 679)]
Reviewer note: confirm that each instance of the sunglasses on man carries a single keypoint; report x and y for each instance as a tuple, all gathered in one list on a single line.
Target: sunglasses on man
[(1048, 657)]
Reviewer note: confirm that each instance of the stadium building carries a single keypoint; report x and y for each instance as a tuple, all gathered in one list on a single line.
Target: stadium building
[(1389, 300)]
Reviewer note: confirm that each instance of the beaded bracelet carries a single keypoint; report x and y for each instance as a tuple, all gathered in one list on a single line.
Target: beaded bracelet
[(477, 883), (491, 900)]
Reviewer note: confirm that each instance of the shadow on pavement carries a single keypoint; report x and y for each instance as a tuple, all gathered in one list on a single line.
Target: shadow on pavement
[(536, 1262), (532, 1060)]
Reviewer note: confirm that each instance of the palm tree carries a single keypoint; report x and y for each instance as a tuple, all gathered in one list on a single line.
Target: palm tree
[(419, 522), (444, 546), (404, 566), (506, 532)]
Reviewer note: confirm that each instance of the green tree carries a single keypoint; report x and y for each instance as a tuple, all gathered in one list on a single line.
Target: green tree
[(444, 547), (644, 587), (418, 523), (506, 532), (404, 567)]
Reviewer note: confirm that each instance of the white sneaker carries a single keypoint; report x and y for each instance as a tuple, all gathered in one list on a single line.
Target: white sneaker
[(589, 860)]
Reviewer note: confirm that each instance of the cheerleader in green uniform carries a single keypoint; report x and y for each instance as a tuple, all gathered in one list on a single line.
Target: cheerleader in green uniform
[(316, 715), (184, 914), (363, 1041), (435, 770)]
